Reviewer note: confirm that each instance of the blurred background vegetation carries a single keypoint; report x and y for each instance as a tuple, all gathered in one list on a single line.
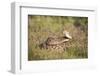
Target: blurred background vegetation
[(41, 27)]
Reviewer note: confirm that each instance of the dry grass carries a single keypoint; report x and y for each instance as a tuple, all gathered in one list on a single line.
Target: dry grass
[(41, 27)]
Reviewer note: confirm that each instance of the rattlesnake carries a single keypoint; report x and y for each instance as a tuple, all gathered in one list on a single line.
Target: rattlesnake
[(56, 43)]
